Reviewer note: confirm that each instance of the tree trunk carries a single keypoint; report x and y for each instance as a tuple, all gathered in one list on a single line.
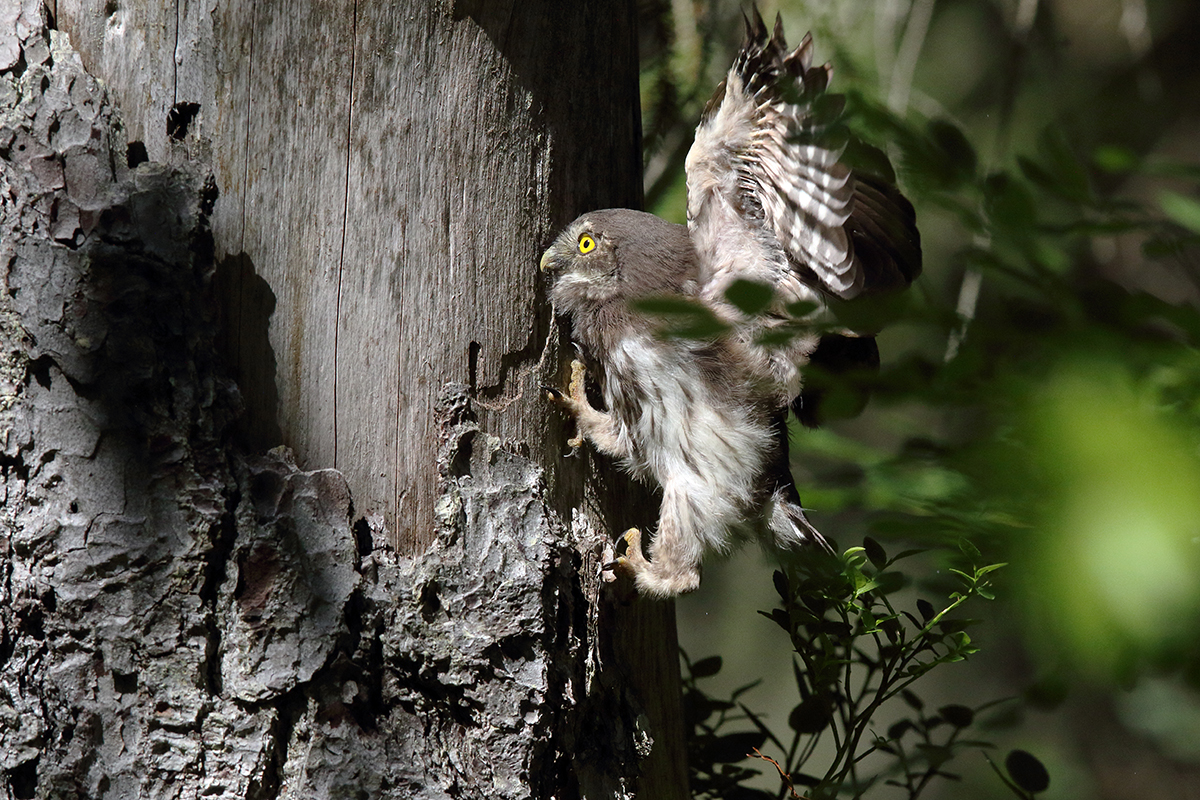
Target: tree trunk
[(348, 200)]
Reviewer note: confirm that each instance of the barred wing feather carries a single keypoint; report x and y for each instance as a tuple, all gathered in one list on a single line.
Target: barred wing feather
[(769, 198)]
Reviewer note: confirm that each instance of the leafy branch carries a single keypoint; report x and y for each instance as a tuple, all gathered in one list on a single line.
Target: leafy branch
[(860, 651), (856, 651)]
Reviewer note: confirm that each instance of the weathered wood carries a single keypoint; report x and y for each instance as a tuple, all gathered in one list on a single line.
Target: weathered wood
[(347, 174), (387, 176), (138, 40)]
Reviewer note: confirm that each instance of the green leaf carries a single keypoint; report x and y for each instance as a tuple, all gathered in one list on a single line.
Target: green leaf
[(782, 586), (816, 603), (777, 337), (1111, 158), (698, 329), (680, 317), (1183, 210), (666, 305), (951, 152), (802, 308), (875, 552), (835, 628), (1169, 246), (1060, 171), (926, 609), (1027, 771), (864, 585), (780, 618), (975, 744), (1048, 693), (953, 625), (1037, 174), (1009, 204), (706, 667), (867, 160), (855, 558), (750, 297)]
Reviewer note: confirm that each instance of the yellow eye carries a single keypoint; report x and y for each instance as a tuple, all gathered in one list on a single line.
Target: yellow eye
[(586, 244)]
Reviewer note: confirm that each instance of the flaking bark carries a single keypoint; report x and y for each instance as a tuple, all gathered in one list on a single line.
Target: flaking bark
[(181, 617)]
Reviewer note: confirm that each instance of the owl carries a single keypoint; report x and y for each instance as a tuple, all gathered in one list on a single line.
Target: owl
[(770, 203)]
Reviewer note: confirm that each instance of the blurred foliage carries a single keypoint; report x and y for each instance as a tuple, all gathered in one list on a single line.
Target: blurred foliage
[(1040, 389)]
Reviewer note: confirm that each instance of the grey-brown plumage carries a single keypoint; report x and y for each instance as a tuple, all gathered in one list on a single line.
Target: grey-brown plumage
[(768, 201)]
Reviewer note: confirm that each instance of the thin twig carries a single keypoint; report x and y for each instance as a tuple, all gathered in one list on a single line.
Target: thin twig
[(786, 777)]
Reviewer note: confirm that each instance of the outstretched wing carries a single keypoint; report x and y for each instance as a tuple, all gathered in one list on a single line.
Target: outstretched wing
[(769, 199)]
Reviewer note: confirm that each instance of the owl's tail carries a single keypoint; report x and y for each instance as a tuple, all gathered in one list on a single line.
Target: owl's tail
[(789, 527)]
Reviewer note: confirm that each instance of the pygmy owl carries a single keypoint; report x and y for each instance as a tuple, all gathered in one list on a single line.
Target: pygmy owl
[(771, 202)]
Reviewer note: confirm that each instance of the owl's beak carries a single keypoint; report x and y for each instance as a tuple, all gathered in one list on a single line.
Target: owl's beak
[(547, 262)]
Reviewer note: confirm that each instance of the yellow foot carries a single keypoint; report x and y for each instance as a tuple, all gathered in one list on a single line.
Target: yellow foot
[(632, 562), (578, 385), (653, 579), (575, 402)]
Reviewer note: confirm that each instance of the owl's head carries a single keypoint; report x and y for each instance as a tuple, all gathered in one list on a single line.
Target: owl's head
[(617, 254)]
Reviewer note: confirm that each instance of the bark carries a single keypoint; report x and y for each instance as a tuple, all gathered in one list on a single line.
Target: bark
[(405, 600)]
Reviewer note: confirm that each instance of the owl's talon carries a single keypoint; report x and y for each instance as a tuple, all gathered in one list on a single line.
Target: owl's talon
[(622, 567), (632, 562), (562, 400), (574, 399)]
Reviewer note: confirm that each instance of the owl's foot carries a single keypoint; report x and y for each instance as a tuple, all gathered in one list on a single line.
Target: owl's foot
[(575, 402), (578, 385), (633, 562), (597, 427), (558, 398), (653, 579)]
